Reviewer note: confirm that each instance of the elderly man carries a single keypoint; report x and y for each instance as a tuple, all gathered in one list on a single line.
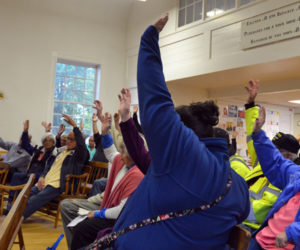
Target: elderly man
[(51, 182)]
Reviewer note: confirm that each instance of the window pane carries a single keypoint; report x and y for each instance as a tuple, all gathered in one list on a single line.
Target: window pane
[(58, 94), (189, 14), (90, 73), (89, 85), (54, 130), (189, 2), (79, 84), (198, 11), (68, 95), (181, 19), (58, 107), (220, 4), (88, 111), (80, 72), (230, 4), (59, 82), (88, 97), (78, 110), (56, 120), (181, 3), (70, 83), (87, 123), (210, 5), (243, 2), (68, 109), (60, 69), (70, 70)]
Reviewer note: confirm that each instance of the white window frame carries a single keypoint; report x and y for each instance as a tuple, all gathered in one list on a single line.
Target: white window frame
[(95, 91)]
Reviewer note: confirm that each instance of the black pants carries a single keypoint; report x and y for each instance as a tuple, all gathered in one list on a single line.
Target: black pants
[(86, 231)]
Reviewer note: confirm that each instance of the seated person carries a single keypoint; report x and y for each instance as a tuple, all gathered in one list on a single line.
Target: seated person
[(42, 156), (52, 181), (123, 179), (287, 145), (100, 184), (91, 147), (17, 156), (281, 228), (187, 170), (237, 163)]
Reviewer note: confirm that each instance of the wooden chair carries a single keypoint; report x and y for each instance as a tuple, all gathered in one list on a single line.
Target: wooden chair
[(11, 224), (239, 238), (4, 169), (97, 170), (74, 188)]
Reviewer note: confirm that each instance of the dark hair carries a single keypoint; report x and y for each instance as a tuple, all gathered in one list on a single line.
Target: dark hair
[(200, 117), (221, 133)]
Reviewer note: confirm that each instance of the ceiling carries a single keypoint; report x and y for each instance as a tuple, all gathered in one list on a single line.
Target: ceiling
[(279, 82), (112, 11)]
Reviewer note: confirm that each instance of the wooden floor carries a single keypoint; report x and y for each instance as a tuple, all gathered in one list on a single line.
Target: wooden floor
[(39, 233)]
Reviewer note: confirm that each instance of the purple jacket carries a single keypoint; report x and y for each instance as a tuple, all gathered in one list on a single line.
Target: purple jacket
[(135, 145)]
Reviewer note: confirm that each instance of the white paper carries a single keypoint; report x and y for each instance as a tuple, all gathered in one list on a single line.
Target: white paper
[(76, 221), (82, 211)]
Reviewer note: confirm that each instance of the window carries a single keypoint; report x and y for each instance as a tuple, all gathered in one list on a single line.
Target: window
[(74, 94), (192, 10), (189, 11), (215, 7), (243, 2)]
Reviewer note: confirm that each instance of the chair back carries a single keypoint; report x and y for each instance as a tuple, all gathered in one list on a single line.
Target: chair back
[(98, 170), (12, 222), (4, 169), (239, 238), (75, 184)]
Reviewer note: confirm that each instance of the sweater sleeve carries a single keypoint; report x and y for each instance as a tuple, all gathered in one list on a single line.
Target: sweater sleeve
[(6, 144), (276, 168), (109, 148), (136, 122), (26, 144), (135, 145), (113, 212), (173, 147)]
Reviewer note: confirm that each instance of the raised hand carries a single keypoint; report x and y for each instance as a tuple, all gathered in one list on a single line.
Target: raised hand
[(47, 127), (106, 123), (95, 118), (98, 106), (235, 134), (69, 120), (252, 90), (81, 126), (160, 24), (125, 102), (135, 108), (61, 129), (260, 121), (26, 126), (117, 118)]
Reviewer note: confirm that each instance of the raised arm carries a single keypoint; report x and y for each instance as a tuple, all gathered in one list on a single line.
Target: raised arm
[(276, 168), (170, 142), (25, 139), (133, 141), (81, 153)]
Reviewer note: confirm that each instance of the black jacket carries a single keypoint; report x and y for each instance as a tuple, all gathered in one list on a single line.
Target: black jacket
[(99, 155), (74, 162), (36, 166)]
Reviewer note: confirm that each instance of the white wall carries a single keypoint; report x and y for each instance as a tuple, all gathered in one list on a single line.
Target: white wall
[(297, 125), (30, 43), (203, 47)]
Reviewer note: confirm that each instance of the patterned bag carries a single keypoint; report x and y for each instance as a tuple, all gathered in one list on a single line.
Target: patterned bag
[(105, 241)]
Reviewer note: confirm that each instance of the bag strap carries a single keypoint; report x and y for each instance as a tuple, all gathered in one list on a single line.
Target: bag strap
[(106, 240)]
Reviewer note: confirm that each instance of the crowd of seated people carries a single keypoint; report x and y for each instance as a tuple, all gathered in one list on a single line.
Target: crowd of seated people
[(175, 181)]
